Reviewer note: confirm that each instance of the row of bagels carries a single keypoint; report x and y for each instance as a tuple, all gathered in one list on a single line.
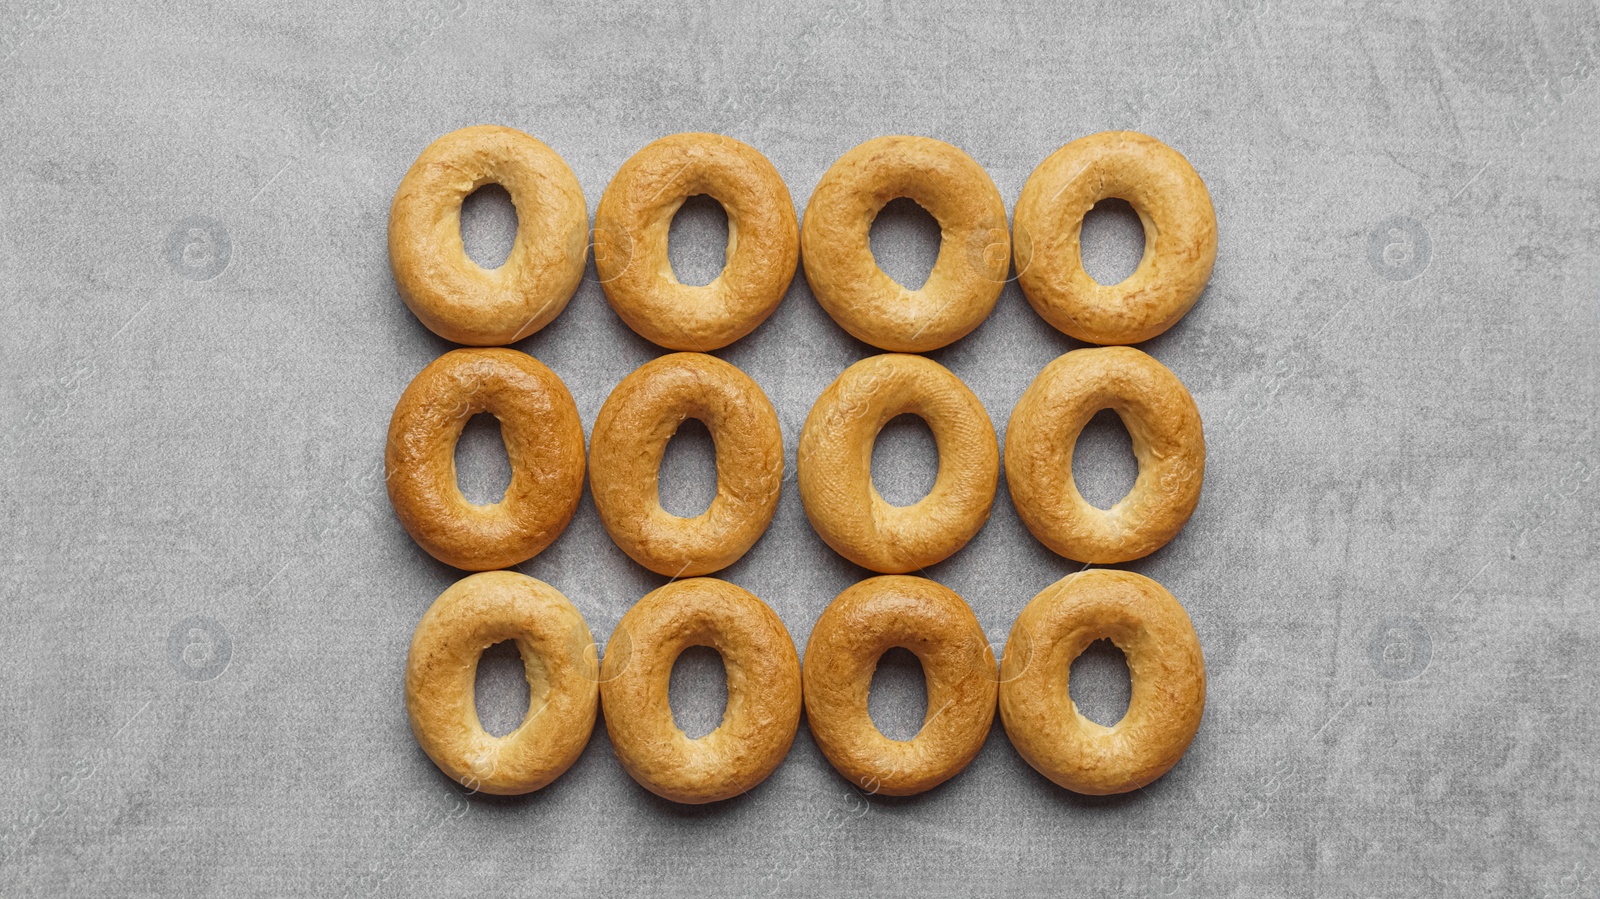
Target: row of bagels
[(544, 443), (467, 304), (769, 685)]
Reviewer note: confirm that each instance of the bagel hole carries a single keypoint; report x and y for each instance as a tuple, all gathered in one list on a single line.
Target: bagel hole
[(687, 484), (905, 242), (697, 242), (483, 470), (1103, 464), (698, 691), (905, 460), (897, 701), (500, 689), (1099, 683), (488, 226), (1112, 243)]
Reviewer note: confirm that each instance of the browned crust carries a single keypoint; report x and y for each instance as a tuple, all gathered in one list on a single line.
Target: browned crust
[(635, 216), (630, 436), (973, 255), (856, 629), (835, 464), (1180, 228), (1168, 441), (544, 444), (1165, 666), (451, 294), (763, 691), (557, 652)]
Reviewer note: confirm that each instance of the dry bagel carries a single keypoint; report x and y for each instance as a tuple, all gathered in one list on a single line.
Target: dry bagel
[(1180, 237), (635, 216), (631, 434), (973, 252), (835, 464), (763, 691), (441, 671), (856, 629), (455, 297), (544, 444), (1168, 442), (1165, 666)]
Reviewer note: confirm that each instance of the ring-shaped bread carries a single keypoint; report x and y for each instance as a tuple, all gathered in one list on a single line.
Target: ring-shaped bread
[(1180, 237), (835, 464), (635, 217), (974, 246), (474, 614), (630, 437), (544, 444), (1165, 667), (763, 674), (1168, 442), (452, 295), (855, 630)]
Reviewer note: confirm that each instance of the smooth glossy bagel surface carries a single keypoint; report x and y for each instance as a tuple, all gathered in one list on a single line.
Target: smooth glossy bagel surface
[(441, 672), (974, 246), (635, 217), (454, 296), (763, 691), (631, 435), (1168, 442), (544, 444), (835, 464), (856, 629), (1165, 667), (1180, 237)]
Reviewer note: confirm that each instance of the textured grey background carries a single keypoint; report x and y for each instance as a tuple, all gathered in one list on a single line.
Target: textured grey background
[(207, 601)]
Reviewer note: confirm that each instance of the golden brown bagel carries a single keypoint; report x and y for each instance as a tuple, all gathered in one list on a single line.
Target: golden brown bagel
[(763, 691), (856, 629), (630, 436), (1168, 441), (635, 216), (544, 444), (973, 251), (477, 612), (1165, 667), (1180, 237), (835, 464), (449, 292)]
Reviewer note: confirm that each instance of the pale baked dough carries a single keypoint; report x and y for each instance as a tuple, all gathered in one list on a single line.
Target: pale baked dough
[(630, 436), (1168, 442), (1180, 237), (857, 628), (475, 613), (1165, 667), (835, 464), (455, 297), (763, 709), (974, 248), (635, 217)]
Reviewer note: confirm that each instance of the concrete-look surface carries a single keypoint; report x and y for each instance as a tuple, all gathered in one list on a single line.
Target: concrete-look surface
[(207, 600)]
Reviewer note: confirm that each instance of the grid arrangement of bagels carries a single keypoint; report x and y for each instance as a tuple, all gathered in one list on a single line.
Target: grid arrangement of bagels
[(487, 309)]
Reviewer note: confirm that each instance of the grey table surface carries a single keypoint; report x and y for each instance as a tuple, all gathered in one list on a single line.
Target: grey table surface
[(208, 601)]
